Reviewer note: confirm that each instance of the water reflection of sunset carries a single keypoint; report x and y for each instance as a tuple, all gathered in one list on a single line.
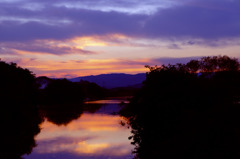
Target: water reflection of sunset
[(92, 134), (106, 101)]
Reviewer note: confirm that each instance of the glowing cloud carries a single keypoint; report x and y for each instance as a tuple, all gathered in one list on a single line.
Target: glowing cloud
[(106, 33)]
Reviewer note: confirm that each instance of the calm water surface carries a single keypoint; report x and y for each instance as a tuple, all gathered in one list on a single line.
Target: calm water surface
[(96, 135)]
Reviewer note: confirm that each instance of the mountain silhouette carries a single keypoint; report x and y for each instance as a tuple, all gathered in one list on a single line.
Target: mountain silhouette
[(113, 80)]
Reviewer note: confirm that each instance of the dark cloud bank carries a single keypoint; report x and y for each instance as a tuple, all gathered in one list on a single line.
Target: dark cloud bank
[(210, 20)]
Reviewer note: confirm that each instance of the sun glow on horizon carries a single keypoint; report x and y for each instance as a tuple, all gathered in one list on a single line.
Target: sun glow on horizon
[(110, 53)]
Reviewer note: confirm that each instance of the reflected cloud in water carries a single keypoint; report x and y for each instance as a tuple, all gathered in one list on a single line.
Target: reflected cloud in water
[(106, 102), (91, 136)]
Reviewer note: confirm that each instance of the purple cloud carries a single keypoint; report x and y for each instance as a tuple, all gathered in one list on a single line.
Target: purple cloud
[(171, 60), (40, 47), (196, 22), (199, 19), (30, 25)]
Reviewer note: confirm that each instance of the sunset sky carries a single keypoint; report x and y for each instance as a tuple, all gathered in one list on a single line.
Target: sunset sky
[(70, 38)]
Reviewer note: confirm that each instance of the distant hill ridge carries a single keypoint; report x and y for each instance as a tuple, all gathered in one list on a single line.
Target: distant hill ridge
[(113, 80)]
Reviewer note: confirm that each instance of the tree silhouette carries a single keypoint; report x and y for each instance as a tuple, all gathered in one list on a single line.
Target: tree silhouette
[(62, 91), (187, 111), (19, 115), (62, 100), (92, 91)]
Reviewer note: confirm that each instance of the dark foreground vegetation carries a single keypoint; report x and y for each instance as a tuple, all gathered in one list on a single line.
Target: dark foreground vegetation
[(19, 114), (182, 111), (187, 111), (24, 105)]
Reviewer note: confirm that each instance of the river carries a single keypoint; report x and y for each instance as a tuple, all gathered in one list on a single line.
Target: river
[(93, 135)]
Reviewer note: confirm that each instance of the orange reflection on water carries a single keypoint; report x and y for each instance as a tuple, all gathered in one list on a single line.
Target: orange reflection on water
[(106, 102), (87, 148), (91, 134), (88, 122)]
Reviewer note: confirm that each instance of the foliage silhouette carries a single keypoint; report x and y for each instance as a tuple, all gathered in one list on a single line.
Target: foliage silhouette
[(92, 90), (187, 111), (61, 114), (19, 115), (62, 100), (62, 91), (123, 91)]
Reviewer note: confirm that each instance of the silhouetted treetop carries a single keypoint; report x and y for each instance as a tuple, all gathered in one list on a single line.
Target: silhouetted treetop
[(17, 83), (203, 65), (187, 111), (19, 117), (91, 90), (62, 91)]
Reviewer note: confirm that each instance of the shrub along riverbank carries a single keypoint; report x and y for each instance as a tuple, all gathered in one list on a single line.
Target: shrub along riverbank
[(187, 111)]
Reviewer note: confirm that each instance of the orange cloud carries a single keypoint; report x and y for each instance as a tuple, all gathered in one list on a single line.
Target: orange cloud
[(75, 45), (58, 68), (93, 55), (82, 42)]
